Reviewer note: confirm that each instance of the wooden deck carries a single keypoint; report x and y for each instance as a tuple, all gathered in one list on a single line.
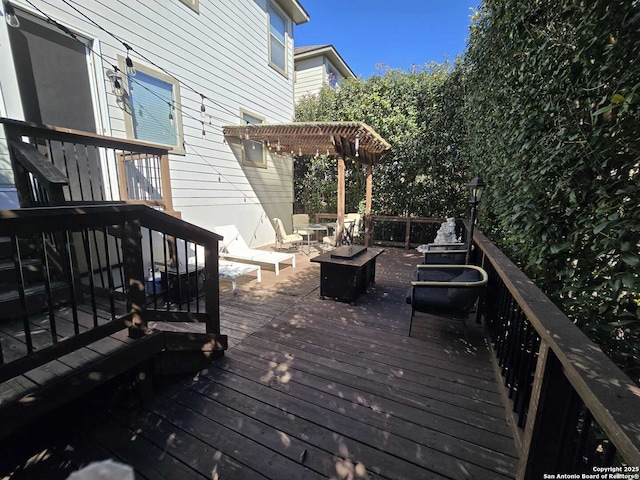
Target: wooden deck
[(308, 389)]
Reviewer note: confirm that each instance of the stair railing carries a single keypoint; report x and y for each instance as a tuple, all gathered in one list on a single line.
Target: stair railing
[(96, 168), (76, 303)]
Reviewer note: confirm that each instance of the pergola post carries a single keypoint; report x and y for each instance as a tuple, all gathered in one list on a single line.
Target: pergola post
[(341, 200), (368, 224)]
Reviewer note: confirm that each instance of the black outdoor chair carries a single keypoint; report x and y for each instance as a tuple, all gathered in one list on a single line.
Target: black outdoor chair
[(448, 291), (445, 254)]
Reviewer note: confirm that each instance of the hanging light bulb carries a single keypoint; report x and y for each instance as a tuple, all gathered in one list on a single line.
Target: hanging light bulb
[(253, 145), (203, 110), (268, 144), (358, 145), (117, 87), (170, 117), (219, 179), (317, 153), (204, 134), (278, 147), (246, 133), (299, 151), (10, 15), (131, 70)]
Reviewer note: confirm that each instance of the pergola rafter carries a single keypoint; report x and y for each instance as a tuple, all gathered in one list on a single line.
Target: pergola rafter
[(354, 140)]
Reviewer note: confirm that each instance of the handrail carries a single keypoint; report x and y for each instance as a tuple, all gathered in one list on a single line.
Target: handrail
[(407, 220), (21, 221), (611, 397), (88, 230), (31, 159), (99, 168), (79, 136)]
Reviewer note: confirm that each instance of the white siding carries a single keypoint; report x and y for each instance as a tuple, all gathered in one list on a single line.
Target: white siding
[(310, 76), (222, 53)]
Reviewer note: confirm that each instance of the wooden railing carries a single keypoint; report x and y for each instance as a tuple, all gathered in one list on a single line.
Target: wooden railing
[(394, 231), (574, 409), (93, 261), (96, 168)]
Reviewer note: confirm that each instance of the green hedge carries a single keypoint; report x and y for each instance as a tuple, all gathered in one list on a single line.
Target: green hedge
[(553, 127), (544, 106)]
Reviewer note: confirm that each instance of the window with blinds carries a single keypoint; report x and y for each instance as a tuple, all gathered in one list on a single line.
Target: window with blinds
[(154, 101), (253, 152), (277, 40)]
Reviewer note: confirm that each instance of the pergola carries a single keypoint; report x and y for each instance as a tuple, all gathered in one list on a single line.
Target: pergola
[(354, 140)]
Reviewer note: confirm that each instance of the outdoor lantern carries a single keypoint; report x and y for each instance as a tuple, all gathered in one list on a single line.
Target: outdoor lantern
[(476, 187)]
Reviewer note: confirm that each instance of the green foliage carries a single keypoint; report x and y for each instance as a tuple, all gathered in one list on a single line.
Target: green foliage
[(418, 114), (552, 110), (544, 106)]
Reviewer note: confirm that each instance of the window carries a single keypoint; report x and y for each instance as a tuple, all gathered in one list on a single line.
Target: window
[(192, 4), (277, 40), (253, 152), (154, 107), (332, 75)]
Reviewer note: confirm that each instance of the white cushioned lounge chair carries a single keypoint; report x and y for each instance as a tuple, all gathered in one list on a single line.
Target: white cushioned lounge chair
[(233, 247)]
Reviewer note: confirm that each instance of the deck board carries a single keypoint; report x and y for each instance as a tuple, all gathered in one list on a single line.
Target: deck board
[(321, 389)]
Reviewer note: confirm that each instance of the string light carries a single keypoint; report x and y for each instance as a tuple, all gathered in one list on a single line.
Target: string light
[(203, 110), (117, 86), (10, 15), (299, 151), (182, 82), (131, 70), (278, 147), (204, 134), (317, 153), (358, 145), (117, 80)]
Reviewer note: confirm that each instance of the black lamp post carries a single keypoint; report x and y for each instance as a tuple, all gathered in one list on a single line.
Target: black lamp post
[(476, 187)]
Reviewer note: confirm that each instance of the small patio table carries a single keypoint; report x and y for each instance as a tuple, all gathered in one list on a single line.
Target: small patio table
[(232, 270), (312, 227)]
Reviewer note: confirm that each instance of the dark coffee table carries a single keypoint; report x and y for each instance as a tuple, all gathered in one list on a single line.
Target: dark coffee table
[(346, 272)]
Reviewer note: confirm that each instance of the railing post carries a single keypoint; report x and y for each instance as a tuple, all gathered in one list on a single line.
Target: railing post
[(547, 418), (407, 234), (212, 289), (134, 276), (167, 196), (367, 207)]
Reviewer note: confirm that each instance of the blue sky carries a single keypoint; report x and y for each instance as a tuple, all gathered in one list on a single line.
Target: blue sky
[(397, 33)]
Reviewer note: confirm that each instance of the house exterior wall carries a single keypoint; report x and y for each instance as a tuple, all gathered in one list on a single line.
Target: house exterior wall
[(310, 77), (222, 52)]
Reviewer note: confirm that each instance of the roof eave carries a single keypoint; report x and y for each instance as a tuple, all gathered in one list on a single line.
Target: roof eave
[(330, 52), (295, 10)]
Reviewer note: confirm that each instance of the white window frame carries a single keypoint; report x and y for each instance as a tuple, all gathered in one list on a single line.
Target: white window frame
[(248, 143), (331, 69), (177, 112), (271, 6)]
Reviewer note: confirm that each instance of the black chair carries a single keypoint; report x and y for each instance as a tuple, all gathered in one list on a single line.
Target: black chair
[(448, 291), (445, 254)]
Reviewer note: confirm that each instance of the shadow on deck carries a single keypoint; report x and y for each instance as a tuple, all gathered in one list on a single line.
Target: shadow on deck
[(308, 389)]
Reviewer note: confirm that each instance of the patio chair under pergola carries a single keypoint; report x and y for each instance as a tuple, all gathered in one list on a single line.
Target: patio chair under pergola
[(354, 140)]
